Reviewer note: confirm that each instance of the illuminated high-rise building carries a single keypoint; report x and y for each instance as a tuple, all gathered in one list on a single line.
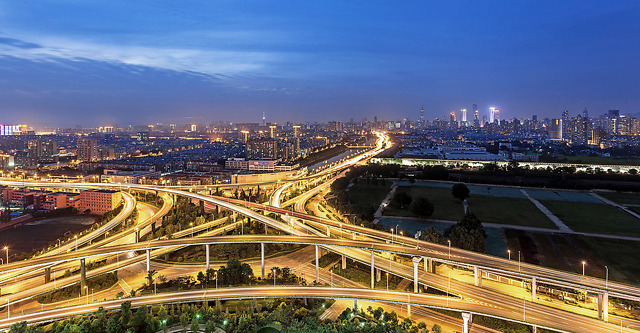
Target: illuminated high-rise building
[(296, 131), (496, 116), (422, 117), (452, 121), (36, 148), (554, 131), (273, 131), (492, 115), (12, 129), (87, 149), (243, 136), (566, 124)]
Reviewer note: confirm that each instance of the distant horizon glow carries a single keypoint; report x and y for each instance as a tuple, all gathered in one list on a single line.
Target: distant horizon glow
[(129, 63)]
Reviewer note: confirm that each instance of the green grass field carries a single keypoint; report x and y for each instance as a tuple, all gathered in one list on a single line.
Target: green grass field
[(363, 194), (620, 256), (446, 206), (594, 218), (622, 198), (508, 211)]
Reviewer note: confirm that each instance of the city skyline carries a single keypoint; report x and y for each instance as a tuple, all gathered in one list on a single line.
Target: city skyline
[(103, 64)]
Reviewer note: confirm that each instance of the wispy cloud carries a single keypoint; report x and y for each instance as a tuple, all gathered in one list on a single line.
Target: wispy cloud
[(18, 43), (222, 63)]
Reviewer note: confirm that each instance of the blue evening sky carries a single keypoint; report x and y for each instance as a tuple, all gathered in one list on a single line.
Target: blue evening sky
[(68, 62)]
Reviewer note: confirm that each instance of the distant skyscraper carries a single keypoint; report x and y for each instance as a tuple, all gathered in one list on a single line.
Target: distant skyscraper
[(484, 120), (422, 117), (496, 116), (296, 131), (264, 118), (273, 131), (565, 125), (613, 122), (492, 115), (585, 113), (476, 119), (453, 122), (464, 116), (554, 131)]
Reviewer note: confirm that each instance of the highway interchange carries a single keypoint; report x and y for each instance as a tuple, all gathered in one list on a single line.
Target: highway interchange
[(366, 246)]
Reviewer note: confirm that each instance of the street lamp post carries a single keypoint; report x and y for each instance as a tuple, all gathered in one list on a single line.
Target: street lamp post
[(583, 263), (518, 261), (397, 232), (387, 281), (191, 225), (216, 280), (509, 252), (606, 281), (7, 250), (449, 241), (76, 237)]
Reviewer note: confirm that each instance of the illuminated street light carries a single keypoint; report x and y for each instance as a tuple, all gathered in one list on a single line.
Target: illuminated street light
[(583, 264), (509, 252), (7, 249)]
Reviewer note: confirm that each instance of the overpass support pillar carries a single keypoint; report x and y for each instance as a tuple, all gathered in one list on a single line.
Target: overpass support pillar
[(534, 329), (317, 266), (534, 289), (206, 254), (466, 317), (378, 274), (47, 275), (355, 305), (262, 258), (373, 267), (416, 261), (328, 232), (344, 262), (477, 276), (265, 229), (603, 306), (83, 277), (408, 310), (148, 267)]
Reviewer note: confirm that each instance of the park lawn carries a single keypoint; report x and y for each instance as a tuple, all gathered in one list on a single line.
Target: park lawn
[(594, 218), (512, 211), (364, 194), (620, 256), (446, 207), (621, 198)]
